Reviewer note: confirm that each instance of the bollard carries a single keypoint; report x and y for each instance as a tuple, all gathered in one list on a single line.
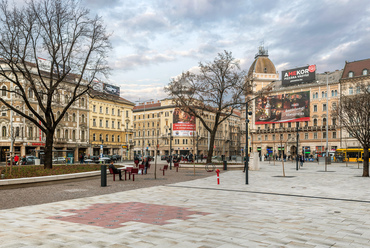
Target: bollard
[(225, 165), (218, 176), (103, 175)]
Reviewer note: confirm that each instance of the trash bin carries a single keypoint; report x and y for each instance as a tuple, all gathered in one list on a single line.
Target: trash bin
[(225, 165), (37, 161)]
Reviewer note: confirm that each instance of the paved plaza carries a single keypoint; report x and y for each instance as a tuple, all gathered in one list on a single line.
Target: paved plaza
[(307, 208)]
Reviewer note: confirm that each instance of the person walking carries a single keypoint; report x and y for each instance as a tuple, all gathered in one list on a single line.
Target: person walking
[(16, 159), (301, 159), (24, 160)]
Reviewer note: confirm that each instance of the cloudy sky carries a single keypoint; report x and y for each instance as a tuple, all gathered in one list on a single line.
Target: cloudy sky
[(155, 40)]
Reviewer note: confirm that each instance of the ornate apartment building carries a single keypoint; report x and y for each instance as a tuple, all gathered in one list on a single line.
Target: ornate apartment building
[(111, 125), (152, 123)]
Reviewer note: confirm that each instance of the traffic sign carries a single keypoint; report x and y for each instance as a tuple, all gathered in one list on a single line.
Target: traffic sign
[(101, 146)]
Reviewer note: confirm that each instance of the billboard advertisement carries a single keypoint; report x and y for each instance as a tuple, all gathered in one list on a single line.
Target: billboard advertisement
[(290, 107), (298, 75), (106, 88), (183, 123)]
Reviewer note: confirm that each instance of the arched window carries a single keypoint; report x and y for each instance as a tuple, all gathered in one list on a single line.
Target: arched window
[(74, 135), (82, 102), (3, 132), (82, 135), (82, 118), (66, 134), (94, 137), (317, 95), (66, 117), (17, 132), (364, 72), (3, 91), (107, 137), (324, 121), (58, 133), (118, 138), (112, 138), (322, 94), (332, 93), (74, 117), (100, 137), (335, 92), (350, 74), (313, 95), (315, 122)]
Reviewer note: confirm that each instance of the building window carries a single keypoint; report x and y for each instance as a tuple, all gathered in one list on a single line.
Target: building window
[(281, 136), (82, 102), (30, 93), (82, 118), (313, 95), (324, 107), (118, 124), (94, 122), (106, 124), (266, 137), (118, 138), (315, 135), (3, 91), (266, 126), (358, 90), (324, 135), (289, 124), (112, 111), (334, 121), (324, 122), (94, 108), (66, 117), (82, 136), (107, 110), (322, 94), (332, 93), (112, 138), (350, 74), (106, 137), (305, 135), (350, 92), (74, 135), (334, 135), (100, 109), (66, 134), (100, 123), (74, 117), (364, 72), (112, 124), (100, 137), (126, 113), (335, 92), (94, 137), (289, 135), (314, 122), (3, 132), (314, 108), (273, 137)]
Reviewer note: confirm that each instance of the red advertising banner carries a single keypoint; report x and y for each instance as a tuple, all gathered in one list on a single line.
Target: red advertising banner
[(183, 123), (290, 107)]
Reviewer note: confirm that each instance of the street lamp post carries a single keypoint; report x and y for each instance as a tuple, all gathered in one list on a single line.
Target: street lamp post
[(297, 158), (143, 146), (246, 166), (327, 120), (170, 148)]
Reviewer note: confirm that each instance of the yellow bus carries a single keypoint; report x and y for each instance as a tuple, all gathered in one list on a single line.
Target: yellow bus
[(349, 154)]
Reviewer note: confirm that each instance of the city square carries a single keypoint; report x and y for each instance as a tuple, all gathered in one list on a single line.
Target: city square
[(310, 207)]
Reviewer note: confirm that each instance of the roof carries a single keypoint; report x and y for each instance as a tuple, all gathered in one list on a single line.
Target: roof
[(262, 64), (356, 67), (147, 106), (109, 97)]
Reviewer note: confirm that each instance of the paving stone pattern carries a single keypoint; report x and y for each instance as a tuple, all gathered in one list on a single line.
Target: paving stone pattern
[(310, 208)]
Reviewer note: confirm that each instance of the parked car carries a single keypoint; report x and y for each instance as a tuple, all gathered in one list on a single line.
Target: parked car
[(164, 157), (30, 159), (116, 157), (59, 160)]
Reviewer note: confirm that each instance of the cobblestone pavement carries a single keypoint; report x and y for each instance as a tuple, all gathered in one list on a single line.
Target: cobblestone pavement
[(307, 208)]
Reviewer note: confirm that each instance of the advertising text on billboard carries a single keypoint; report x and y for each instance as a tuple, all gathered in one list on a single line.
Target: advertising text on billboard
[(183, 123), (298, 75), (290, 107)]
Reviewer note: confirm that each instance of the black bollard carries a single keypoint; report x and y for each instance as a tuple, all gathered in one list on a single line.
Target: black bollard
[(103, 175), (225, 165)]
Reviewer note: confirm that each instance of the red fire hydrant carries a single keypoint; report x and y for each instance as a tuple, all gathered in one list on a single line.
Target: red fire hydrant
[(218, 176)]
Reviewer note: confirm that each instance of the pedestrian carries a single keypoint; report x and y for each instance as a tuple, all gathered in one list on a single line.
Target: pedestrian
[(24, 160), (146, 165), (301, 159), (115, 170), (16, 159), (201, 157)]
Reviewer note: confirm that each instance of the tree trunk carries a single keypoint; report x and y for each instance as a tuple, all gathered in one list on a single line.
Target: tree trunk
[(365, 172), (210, 151), (48, 158)]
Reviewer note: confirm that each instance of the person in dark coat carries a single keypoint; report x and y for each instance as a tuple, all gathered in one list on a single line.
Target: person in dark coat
[(115, 170)]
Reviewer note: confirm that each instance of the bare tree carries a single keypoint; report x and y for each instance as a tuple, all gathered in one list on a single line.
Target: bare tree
[(353, 111), (74, 47), (212, 95)]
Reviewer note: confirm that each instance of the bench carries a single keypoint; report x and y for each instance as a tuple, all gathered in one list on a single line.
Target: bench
[(165, 167), (114, 174), (141, 167), (176, 165)]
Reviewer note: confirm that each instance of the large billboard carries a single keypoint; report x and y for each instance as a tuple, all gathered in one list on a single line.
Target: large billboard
[(106, 88), (298, 75), (290, 107), (183, 123)]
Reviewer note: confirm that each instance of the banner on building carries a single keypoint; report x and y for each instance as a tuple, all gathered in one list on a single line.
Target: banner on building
[(183, 123), (290, 107), (298, 75), (106, 88)]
